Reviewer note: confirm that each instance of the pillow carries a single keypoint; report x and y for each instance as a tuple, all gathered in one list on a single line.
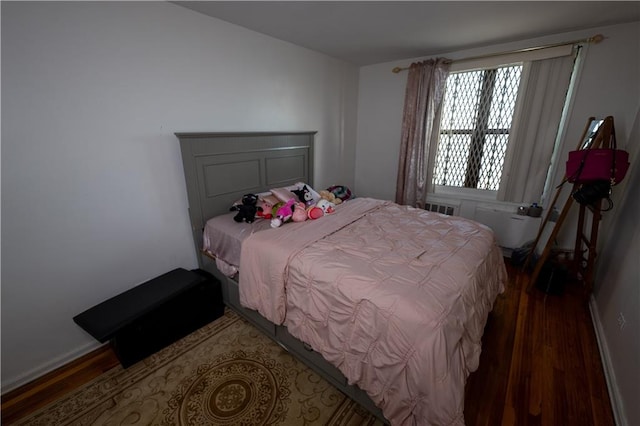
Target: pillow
[(268, 197), (261, 196), (284, 194)]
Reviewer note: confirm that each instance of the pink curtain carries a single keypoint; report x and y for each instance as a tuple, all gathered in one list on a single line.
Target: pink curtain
[(423, 98)]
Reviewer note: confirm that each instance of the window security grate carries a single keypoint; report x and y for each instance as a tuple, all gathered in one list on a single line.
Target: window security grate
[(475, 123)]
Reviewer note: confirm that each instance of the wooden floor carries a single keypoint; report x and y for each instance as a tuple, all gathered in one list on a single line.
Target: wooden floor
[(26, 399), (540, 365)]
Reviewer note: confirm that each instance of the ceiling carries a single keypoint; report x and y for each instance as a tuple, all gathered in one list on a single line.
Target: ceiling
[(369, 32)]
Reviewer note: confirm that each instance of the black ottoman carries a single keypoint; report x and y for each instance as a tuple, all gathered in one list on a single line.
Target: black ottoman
[(154, 314)]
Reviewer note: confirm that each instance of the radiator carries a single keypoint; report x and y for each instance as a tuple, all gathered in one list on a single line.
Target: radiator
[(441, 208)]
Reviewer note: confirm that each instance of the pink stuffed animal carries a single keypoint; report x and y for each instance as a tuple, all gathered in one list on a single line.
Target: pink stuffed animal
[(299, 212), (264, 209), (283, 214)]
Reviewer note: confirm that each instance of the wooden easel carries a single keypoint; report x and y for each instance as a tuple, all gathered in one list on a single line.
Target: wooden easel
[(584, 254)]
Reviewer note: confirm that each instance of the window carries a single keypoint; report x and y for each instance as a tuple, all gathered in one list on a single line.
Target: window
[(476, 118), (501, 122)]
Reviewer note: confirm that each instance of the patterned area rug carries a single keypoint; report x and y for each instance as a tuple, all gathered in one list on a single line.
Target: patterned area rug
[(226, 373)]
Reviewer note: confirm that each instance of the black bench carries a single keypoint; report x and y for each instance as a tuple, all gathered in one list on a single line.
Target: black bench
[(154, 314)]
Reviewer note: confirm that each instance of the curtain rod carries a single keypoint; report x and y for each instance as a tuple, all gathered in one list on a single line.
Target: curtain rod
[(594, 39)]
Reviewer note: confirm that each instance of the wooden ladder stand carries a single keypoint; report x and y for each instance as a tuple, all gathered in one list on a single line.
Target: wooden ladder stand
[(584, 254)]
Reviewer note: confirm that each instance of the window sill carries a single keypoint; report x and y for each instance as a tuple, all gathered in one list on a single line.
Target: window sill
[(465, 193)]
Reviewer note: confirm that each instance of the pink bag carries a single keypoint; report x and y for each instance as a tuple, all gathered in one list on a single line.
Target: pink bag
[(589, 165), (599, 164)]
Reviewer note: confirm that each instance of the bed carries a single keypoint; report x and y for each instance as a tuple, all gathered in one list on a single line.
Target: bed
[(387, 302)]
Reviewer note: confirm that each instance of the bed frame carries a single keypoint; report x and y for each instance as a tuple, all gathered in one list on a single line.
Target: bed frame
[(221, 167)]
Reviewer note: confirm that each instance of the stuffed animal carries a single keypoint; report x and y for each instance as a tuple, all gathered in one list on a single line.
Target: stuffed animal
[(264, 209), (314, 212), (275, 208), (326, 206), (283, 214), (329, 196), (304, 195), (299, 212), (341, 192), (247, 210)]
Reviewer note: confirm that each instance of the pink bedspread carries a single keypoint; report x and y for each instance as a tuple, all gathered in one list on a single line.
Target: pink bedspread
[(395, 297)]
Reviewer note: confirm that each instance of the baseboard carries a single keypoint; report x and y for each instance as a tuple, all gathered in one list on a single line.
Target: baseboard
[(612, 385), (48, 367)]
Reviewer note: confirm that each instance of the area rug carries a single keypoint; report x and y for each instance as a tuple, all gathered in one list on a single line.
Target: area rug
[(226, 373)]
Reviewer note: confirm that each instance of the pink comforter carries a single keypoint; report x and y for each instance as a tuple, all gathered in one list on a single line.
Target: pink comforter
[(395, 297)]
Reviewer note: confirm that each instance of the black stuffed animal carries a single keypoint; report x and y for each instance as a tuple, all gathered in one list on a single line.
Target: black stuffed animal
[(304, 195), (247, 210)]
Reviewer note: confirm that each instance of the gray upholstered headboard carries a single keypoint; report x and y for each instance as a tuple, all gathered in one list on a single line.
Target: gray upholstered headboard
[(221, 167)]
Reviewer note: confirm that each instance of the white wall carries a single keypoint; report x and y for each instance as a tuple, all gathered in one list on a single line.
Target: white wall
[(609, 85), (617, 291), (93, 193)]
